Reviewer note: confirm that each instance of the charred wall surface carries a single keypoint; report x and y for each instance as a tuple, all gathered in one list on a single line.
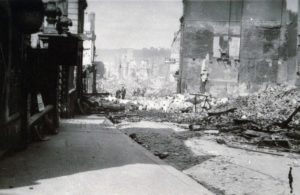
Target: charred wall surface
[(249, 43)]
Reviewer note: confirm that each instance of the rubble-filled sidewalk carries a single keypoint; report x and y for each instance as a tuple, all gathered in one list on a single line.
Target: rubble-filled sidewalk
[(90, 156)]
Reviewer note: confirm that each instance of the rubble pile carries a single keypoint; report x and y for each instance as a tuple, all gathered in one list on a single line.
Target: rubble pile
[(260, 111), (269, 118), (265, 118), (269, 107), (103, 103), (176, 103), (272, 105), (170, 104), (154, 87)]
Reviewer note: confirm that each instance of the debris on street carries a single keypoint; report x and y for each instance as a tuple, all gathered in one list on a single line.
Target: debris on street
[(268, 118), (164, 142)]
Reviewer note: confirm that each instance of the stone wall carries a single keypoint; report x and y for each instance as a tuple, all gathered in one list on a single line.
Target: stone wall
[(257, 38)]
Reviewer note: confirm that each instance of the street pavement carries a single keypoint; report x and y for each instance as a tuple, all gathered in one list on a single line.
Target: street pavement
[(91, 156), (237, 171)]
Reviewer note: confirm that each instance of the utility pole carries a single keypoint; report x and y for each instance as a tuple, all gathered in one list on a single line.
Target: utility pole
[(94, 84)]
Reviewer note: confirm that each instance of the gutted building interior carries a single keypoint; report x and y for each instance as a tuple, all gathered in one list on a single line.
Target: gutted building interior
[(248, 44)]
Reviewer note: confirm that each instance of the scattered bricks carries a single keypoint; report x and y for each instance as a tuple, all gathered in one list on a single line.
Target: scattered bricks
[(212, 132), (294, 135), (275, 143), (252, 134), (161, 155), (195, 127), (220, 141)]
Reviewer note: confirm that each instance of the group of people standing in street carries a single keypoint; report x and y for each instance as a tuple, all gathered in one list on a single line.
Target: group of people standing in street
[(139, 92), (121, 93)]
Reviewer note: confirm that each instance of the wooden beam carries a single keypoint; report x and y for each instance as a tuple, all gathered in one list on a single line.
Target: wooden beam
[(36, 117)]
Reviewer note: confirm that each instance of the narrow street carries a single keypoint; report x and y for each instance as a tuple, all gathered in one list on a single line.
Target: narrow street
[(91, 156), (100, 157), (236, 171), (221, 169)]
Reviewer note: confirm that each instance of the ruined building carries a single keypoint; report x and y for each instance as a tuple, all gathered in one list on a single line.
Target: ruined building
[(245, 44), (175, 58), (89, 52)]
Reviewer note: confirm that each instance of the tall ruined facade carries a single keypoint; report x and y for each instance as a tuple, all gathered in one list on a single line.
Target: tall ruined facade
[(249, 43)]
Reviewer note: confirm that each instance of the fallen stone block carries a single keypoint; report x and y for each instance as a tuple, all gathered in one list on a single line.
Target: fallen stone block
[(211, 132), (161, 155), (275, 143)]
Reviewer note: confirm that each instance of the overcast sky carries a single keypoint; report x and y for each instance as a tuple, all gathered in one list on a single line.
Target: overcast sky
[(135, 23), (139, 23), (292, 5)]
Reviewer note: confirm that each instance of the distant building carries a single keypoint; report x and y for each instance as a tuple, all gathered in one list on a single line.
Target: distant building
[(89, 49), (89, 52)]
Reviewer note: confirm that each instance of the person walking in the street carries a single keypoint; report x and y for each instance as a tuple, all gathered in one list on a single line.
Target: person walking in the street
[(291, 180), (123, 92), (138, 92)]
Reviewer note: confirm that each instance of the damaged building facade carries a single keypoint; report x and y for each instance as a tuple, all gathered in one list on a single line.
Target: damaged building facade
[(89, 52), (245, 45)]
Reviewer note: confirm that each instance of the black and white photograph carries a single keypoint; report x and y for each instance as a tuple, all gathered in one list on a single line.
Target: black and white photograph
[(149, 97)]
